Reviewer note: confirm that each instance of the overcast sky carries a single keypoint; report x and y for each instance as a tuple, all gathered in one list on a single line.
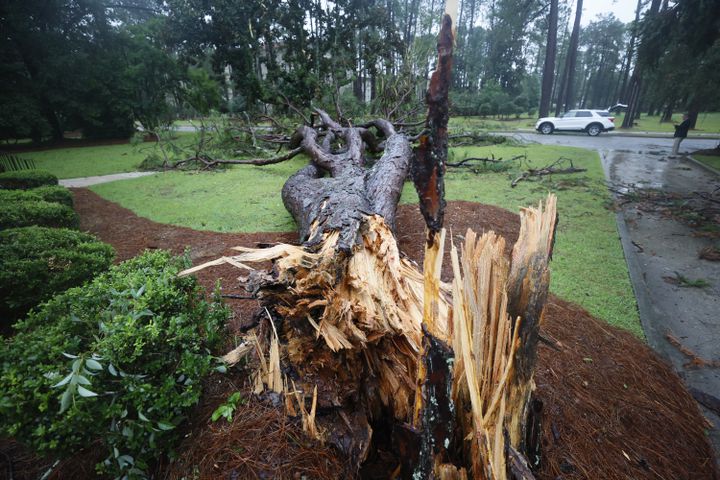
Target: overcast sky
[(622, 9)]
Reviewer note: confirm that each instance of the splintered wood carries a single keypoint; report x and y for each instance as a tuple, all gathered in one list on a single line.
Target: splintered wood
[(352, 322), (489, 337), (371, 337)]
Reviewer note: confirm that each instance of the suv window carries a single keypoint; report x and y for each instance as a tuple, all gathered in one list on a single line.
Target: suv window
[(603, 113), (570, 114), (584, 113)]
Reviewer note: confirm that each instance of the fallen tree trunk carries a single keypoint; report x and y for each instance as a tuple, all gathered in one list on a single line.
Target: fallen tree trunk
[(340, 185), (378, 342)]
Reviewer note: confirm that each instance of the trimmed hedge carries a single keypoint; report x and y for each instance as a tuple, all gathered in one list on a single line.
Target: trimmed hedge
[(24, 179), (119, 360), (44, 214), (48, 193), (37, 263)]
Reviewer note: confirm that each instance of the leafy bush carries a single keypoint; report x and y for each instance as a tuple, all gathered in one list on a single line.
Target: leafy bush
[(38, 262), (119, 360), (49, 193), (24, 179), (44, 214)]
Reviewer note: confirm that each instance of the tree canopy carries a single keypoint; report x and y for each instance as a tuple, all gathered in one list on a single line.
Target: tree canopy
[(104, 68)]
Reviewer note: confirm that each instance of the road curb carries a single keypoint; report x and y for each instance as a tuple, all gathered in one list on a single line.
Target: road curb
[(646, 309), (702, 165)]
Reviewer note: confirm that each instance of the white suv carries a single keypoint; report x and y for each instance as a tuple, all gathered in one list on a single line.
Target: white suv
[(591, 121)]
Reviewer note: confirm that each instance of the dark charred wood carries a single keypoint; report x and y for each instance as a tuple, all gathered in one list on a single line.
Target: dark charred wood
[(533, 434), (437, 418), (517, 465), (428, 168)]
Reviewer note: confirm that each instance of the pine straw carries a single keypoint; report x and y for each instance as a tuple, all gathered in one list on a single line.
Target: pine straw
[(261, 442), (613, 409)]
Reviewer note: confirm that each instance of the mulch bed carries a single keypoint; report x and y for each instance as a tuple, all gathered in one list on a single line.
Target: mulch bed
[(612, 408)]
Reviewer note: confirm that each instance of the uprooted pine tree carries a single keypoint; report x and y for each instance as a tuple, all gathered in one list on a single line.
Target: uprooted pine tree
[(359, 338)]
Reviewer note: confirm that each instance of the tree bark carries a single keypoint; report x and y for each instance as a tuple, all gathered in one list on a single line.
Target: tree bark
[(566, 97), (549, 66), (336, 189)]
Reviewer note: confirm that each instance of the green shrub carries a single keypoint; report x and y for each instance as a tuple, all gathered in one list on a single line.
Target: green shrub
[(37, 263), (44, 214), (119, 360), (24, 179), (48, 193)]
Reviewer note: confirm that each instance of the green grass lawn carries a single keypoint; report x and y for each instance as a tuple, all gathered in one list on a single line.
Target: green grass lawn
[(459, 124), (588, 265), (87, 161), (706, 123), (709, 160), (74, 162), (239, 199)]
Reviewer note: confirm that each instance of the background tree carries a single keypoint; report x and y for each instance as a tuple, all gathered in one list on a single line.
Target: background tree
[(566, 92), (550, 54)]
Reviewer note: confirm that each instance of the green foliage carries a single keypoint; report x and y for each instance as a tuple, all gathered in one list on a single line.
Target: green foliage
[(48, 193), (684, 282), (23, 179), (218, 136), (119, 360), (227, 409), (44, 214), (201, 92), (37, 263)]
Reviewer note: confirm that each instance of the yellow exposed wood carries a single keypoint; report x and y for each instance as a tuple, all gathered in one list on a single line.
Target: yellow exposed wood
[(486, 338)]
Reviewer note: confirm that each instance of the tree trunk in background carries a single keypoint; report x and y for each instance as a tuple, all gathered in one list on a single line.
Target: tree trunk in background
[(627, 63), (567, 86), (549, 67), (636, 87), (668, 112), (632, 100)]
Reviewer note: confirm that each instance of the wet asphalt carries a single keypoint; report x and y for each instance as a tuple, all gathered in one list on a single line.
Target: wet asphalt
[(658, 249)]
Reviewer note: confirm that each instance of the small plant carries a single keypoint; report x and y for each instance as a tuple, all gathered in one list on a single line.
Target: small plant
[(119, 361), (37, 263), (44, 214), (684, 282), (49, 193), (24, 179), (227, 409)]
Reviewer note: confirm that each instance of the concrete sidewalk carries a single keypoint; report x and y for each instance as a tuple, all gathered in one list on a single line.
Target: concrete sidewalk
[(658, 249), (88, 181)]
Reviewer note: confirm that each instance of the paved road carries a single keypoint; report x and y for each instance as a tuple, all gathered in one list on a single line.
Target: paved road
[(603, 142), (656, 247)]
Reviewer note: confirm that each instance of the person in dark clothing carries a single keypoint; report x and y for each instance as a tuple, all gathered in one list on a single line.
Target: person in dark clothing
[(681, 132)]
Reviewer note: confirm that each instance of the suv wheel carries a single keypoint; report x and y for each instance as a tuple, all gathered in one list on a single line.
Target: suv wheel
[(546, 128), (594, 129)]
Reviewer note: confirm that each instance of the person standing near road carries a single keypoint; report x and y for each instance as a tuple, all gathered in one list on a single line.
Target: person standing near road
[(681, 132)]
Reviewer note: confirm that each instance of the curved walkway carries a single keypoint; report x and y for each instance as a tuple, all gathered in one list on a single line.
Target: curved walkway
[(88, 181)]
